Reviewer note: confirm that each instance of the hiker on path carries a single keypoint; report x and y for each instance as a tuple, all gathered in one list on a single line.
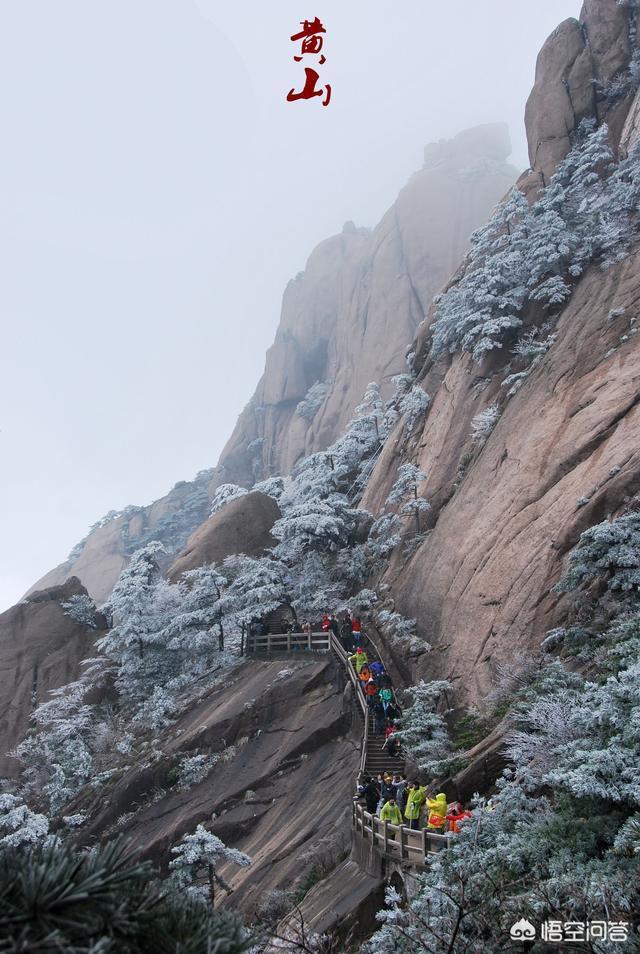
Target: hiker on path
[(416, 795), (437, 812), (377, 670), (455, 814), (387, 790), (400, 785), (386, 696), (378, 717), (371, 795), (391, 813), (333, 626), (359, 659), (345, 635), (325, 623), (371, 692), (356, 630)]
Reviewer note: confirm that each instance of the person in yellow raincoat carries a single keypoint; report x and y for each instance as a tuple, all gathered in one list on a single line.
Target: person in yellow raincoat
[(437, 812), (416, 795)]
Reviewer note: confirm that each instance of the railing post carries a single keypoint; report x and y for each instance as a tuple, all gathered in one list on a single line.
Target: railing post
[(268, 643), (425, 841), (309, 641), (385, 836), (242, 641), (402, 841), (288, 642)]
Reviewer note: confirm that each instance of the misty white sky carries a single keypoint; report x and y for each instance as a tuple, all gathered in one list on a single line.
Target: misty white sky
[(157, 193)]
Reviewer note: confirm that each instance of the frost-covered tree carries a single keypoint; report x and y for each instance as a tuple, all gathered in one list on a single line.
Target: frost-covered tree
[(204, 850), (413, 408), (405, 493), (313, 400), (82, 609), (258, 586), (224, 495), (561, 839), (609, 551), (384, 537), (272, 487), (19, 825), (588, 213), (483, 423), (423, 731), (56, 755)]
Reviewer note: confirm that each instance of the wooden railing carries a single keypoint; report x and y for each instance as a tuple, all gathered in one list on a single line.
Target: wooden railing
[(396, 841), (288, 642)]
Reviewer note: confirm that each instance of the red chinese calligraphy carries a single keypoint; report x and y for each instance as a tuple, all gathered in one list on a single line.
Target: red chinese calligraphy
[(309, 90), (312, 43)]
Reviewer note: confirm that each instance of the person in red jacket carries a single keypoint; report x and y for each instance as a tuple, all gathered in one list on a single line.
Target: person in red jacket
[(455, 814), (325, 623), (356, 630)]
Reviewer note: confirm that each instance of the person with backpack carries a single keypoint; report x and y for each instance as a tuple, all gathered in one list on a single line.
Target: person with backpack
[(364, 676), (378, 717), (386, 696), (345, 635), (377, 669), (324, 626), (437, 812), (371, 692), (371, 794)]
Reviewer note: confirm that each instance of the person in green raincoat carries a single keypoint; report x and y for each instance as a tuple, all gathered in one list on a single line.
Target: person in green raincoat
[(416, 795), (359, 659), (391, 813), (437, 812)]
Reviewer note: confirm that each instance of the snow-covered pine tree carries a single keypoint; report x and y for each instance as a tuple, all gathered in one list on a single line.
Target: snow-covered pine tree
[(204, 850)]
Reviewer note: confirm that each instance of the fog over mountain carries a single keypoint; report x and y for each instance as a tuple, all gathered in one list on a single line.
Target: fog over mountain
[(158, 193)]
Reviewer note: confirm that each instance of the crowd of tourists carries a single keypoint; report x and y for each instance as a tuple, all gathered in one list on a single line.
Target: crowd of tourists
[(393, 799), (390, 796)]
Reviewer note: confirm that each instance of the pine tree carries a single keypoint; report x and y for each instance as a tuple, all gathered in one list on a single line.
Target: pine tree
[(199, 850)]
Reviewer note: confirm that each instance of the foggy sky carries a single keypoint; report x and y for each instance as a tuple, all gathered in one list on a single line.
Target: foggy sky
[(157, 193)]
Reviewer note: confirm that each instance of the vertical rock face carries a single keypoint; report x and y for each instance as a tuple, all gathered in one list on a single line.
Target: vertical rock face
[(580, 75), (562, 455), (41, 649), (349, 317)]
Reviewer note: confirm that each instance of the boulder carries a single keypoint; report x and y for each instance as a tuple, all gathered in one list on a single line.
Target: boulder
[(41, 648), (242, 526)]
